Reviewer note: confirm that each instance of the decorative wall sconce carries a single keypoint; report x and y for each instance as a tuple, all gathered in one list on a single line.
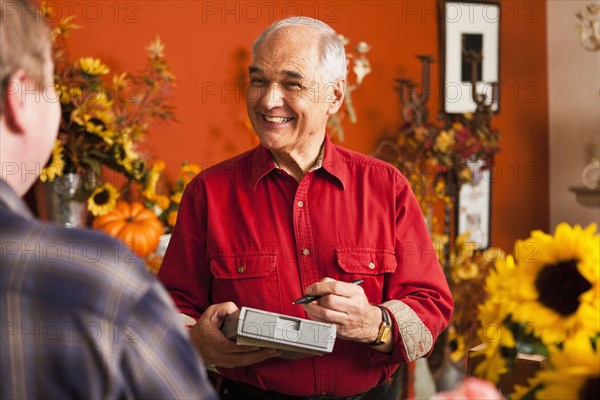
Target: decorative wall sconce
[(414, 104), (589, 27)]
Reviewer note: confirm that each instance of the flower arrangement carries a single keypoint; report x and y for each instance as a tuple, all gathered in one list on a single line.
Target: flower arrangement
[(438, 160), (166, 206), (467, 270), (545, 300), (361, 68), (103, 121), (465, 139)]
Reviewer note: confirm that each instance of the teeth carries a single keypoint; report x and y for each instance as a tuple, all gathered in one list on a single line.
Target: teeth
[(278, 120)]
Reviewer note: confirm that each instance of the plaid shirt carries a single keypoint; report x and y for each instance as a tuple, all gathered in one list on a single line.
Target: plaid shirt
[(82, 318)]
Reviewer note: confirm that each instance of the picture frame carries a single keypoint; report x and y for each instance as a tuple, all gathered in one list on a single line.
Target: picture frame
[(474, 205), (475, 27)]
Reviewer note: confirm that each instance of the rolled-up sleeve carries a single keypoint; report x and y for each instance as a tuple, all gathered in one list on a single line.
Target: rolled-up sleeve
[(417, 293)]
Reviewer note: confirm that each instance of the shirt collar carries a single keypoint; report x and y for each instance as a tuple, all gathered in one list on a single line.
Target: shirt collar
[(329, 160), (9, 199)]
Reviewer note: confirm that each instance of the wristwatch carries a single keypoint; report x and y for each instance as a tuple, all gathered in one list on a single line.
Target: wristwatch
[(384, 329)]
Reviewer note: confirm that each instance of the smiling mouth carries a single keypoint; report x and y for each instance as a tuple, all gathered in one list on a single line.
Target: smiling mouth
[(277, 120)]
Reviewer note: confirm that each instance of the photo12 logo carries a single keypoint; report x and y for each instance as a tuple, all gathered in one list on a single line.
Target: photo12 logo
[(271, 11), (126, 12)]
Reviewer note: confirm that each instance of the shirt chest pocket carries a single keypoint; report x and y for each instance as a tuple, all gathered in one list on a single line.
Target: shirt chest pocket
[(248, 279), (370, 265)]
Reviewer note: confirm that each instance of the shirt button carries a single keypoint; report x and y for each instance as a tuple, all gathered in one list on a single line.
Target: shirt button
[(241, 269), (371, 265), (300, 204), (306, 252)]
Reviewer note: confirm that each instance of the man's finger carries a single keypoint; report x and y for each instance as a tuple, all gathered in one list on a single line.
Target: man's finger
[(323, 314), (218, 312), (339, 288)]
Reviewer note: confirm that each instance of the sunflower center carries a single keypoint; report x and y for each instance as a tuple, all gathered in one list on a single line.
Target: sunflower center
[(453, 345), (102, 198), (120, 153), (590, 389), (97, 122), (559, 286)]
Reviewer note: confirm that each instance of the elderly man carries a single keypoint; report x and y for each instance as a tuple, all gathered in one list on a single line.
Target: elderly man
[(298, 215), (81, 317)]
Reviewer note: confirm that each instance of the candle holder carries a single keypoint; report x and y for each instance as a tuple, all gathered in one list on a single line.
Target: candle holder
[(413, 102), (483, 103)]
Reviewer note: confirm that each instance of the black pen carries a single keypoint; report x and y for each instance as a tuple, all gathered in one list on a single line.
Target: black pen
[(309, 299)]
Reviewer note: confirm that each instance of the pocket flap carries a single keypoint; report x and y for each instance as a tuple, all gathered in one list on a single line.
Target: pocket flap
[(242, 265), (366, 261)]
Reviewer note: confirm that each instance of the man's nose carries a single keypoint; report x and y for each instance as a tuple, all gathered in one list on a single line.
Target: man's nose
[(273, 96)]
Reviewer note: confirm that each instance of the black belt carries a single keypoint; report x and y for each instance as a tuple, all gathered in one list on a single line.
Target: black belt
[(232, 390)]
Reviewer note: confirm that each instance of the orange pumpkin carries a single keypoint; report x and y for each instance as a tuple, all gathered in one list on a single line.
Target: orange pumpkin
[(134, 224)]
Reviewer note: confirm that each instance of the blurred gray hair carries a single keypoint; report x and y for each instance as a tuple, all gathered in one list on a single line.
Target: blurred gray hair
[(333, 53)]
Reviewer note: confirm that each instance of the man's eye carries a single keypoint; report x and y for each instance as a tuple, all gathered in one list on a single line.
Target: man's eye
[(293, 85), (257, 82)]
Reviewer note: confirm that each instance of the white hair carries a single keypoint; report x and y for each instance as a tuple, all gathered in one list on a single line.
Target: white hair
[(333, 53)]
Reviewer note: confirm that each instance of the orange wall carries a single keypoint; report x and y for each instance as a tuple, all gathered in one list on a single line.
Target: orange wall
[(204, 39)]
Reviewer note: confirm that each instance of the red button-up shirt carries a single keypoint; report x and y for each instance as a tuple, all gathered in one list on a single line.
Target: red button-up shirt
[(249, 233)]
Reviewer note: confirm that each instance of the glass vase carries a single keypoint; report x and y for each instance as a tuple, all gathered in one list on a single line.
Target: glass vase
[(59, 201)]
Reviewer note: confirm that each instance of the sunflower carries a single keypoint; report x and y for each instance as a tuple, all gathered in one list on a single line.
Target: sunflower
[(125, 155), (92, 66), (499, 348), (95, 122), (55, 165), (97, 127), (466, 271), (458, 347), (501, 284), (152, 179), (102, 199), (462, 259), (575, 373), (68, 94), (558, 282), (137, 169)]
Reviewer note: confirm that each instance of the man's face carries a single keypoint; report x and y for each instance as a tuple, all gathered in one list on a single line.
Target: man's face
[(288, 100), (43, 119), (47, 117), (40, 122)]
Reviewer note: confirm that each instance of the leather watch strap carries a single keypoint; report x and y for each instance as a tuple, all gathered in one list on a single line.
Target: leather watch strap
[(384, 328)]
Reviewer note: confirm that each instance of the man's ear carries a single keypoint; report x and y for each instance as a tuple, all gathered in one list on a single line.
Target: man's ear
[(14, 112), (337, 96)]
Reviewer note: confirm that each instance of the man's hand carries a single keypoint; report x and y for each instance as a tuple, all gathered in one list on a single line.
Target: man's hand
[(345, 305), (216, 348)]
